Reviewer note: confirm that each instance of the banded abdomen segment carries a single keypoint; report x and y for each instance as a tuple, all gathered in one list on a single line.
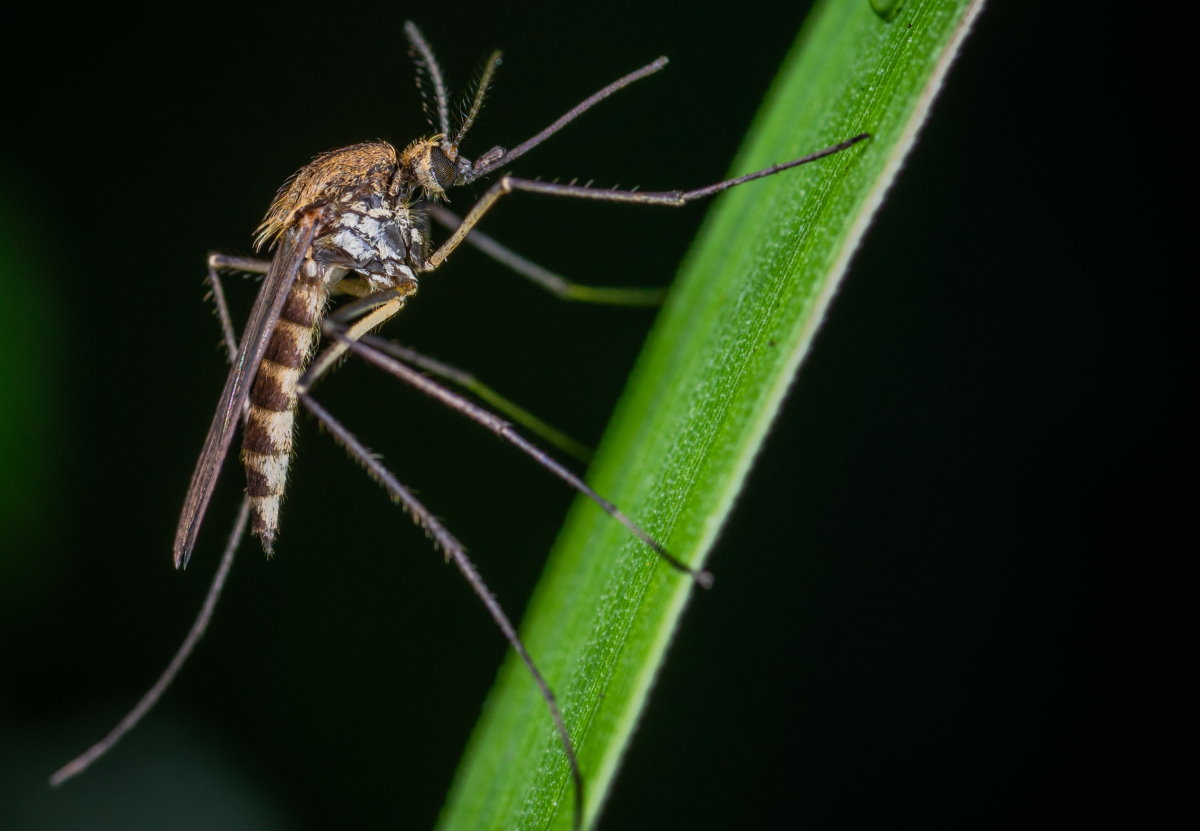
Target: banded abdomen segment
[(267, 445)]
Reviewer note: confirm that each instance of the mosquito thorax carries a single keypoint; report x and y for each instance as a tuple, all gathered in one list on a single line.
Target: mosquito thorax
[(371, 227), (329, 179)]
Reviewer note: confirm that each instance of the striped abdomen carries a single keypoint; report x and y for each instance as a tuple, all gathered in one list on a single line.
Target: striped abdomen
[(267, 446)]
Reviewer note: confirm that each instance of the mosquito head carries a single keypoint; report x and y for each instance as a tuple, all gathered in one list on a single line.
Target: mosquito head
[(431, 165)]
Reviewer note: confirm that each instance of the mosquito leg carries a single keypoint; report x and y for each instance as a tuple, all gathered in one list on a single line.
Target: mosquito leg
[(672, 198), (217, 263), (147, 702), (218, 296), (505, 431), (557, 285), (473, 385), (453, 551), (374, 309), (227, 331), (229, 262)]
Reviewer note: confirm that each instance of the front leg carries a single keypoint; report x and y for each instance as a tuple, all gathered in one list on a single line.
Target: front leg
[(669, 198)]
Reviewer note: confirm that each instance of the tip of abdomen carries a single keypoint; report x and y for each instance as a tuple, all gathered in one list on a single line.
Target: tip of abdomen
[(264, 519), (267, 536)]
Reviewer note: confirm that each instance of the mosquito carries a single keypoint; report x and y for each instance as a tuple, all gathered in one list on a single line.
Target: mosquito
[(357, 221)]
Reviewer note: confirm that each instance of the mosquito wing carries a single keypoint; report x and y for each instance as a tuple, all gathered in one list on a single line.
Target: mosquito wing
[(290, 254)]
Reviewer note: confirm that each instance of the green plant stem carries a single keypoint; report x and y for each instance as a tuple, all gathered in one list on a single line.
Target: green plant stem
[(742, 314)]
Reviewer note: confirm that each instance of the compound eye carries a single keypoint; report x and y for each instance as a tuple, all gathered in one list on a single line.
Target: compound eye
[(445, 172)]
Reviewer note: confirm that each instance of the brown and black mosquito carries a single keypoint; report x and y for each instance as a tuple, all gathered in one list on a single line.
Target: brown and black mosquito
[(358, 222)]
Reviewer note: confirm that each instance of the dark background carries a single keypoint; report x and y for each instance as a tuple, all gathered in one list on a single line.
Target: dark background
[(952, 593)]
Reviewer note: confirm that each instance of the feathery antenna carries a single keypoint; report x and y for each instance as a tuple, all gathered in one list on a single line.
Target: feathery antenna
[(428, 70), (481, 89)]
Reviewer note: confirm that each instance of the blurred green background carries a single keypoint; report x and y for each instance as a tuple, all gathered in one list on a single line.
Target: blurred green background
[(981, 454)]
